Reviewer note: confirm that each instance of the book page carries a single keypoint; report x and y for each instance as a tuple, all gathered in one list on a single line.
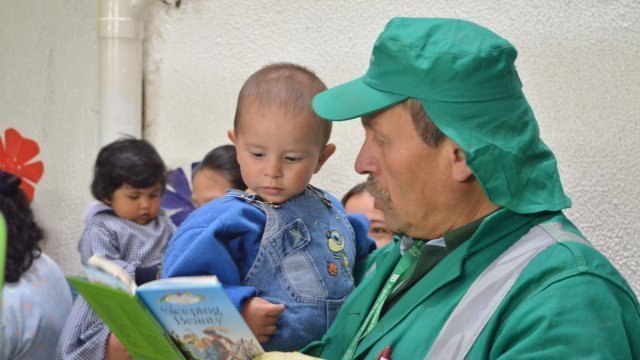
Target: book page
[(104, 271), (129, 320)]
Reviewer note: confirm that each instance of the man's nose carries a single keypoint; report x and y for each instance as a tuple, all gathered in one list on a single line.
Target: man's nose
[(364, 163)]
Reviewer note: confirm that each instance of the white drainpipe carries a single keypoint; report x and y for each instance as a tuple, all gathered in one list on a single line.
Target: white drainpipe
[(120, 33)]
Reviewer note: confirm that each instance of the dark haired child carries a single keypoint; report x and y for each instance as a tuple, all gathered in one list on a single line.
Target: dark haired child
[(130, 229), (217, 172)]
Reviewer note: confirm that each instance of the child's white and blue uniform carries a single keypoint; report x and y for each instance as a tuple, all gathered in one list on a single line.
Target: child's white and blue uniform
[(136, 248), (301, 253)]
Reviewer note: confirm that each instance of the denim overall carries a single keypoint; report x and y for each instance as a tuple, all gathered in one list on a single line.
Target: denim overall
[(306, 261)]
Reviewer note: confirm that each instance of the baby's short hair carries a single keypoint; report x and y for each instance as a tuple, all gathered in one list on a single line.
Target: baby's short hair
[(287, 87), (127, 161)]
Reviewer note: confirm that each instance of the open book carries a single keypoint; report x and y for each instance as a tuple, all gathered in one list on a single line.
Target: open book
[(175, 318)]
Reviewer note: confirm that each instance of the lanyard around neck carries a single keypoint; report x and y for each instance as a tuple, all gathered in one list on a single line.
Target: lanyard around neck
[(400, 271)]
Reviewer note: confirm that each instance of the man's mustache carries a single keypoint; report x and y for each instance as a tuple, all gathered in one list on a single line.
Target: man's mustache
[(376, 191), (371, 186)]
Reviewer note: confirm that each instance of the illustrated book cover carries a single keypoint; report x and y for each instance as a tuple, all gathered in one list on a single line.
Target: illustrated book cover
[(174, 318)]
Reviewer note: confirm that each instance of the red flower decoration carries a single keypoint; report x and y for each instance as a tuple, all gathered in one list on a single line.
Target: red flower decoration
[(15, 153)]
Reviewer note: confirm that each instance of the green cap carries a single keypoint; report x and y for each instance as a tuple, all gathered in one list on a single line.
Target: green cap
[(465, 77)]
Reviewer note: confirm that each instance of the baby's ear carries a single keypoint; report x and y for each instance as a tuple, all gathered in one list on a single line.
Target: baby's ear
[(232, 136), (325, 154)]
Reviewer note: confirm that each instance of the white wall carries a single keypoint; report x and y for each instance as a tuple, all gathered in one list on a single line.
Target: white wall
[(578, 62), (48, 92)]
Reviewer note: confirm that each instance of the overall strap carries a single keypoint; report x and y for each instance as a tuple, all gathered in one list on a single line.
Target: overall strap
[(476, 307), (252, 199), (320, 194), (256, 200)]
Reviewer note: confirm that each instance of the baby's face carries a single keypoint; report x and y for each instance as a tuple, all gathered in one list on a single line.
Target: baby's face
[(277, 153), (378, 230), (139, 205), (208, 184)]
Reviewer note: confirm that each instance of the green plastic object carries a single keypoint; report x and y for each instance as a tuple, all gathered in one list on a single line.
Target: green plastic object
[(130, 321), (3, 255), (3, 248)]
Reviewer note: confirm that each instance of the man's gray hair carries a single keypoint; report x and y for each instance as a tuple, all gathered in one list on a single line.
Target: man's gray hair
[(428, 131)]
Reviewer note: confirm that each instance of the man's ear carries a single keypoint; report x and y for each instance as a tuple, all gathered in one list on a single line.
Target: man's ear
[(325, 154), (459, 169), (231, 134)]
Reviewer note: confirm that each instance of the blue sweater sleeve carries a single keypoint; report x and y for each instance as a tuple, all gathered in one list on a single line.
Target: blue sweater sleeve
[(364, 244), (220, 238)]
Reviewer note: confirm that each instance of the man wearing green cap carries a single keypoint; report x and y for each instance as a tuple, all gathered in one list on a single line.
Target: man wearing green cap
[(484, 264)]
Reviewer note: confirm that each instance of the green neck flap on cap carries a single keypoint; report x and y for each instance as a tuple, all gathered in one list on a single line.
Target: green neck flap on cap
[(503, 148), (465, 77)]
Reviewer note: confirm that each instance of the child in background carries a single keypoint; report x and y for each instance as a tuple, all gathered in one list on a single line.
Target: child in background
[(36, 298), (359, 200), (210, 179), (217, 172), (130, 229), (285, 252)]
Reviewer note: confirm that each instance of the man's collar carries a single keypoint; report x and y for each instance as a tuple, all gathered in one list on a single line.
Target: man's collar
[(456, 237), (451, 239)]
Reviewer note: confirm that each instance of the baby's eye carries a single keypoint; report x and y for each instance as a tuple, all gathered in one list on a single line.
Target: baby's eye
[(292, 158), (134, 197), (379, 230), (257, 154)]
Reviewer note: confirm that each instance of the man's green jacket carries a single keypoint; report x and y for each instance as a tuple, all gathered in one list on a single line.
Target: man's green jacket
[(568, 303)]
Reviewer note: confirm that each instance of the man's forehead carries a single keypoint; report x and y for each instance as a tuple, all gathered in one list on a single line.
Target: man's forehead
[(372, 120), (368, 120)]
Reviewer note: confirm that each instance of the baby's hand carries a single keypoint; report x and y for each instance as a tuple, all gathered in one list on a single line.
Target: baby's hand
[(261, 316), (115, 350)]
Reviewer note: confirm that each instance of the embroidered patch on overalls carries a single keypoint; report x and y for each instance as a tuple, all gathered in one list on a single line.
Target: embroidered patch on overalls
[(335, 242), (332, 268)]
